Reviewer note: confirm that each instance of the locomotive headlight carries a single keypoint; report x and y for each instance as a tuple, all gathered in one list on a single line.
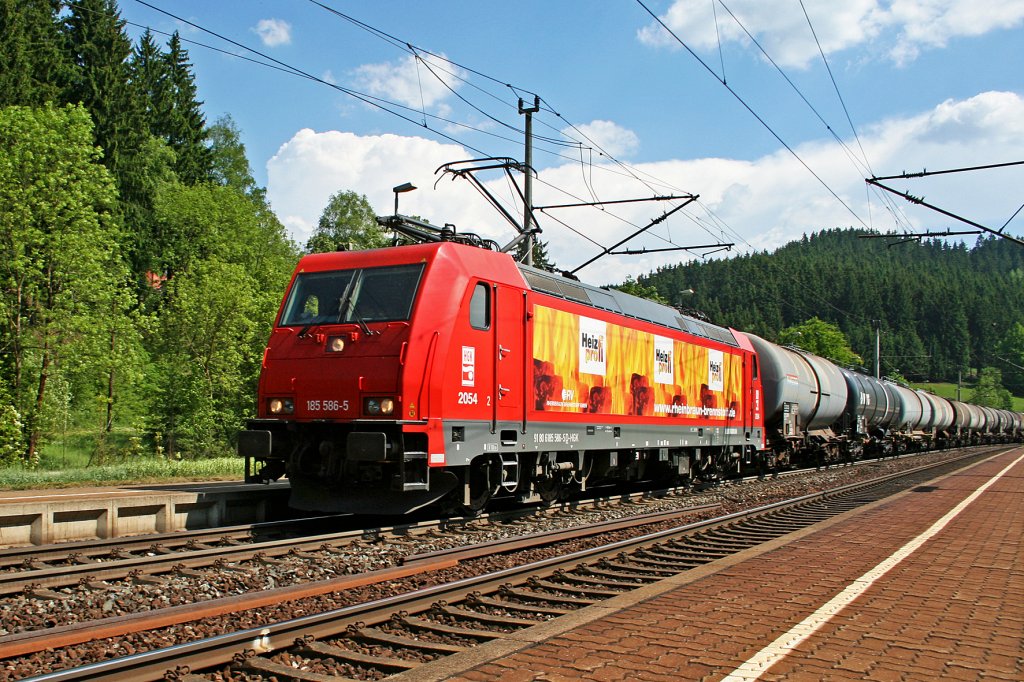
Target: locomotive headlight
[(335, 344), (378, 406), (281, 406)]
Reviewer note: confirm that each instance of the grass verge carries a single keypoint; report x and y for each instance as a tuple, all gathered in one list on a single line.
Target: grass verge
[(141, 470)]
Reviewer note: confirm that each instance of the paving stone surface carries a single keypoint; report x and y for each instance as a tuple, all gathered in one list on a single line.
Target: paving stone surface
[(952, 610)]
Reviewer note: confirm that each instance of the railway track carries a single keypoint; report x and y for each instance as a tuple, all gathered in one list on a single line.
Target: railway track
[(157, 558), (405, 632), (117, 558), (100, 565)]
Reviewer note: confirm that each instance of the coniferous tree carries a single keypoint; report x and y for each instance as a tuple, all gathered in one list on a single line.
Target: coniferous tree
[(541, 259), (183, 124), (944, 307), (100, 81), (32, 63), (148, 72)]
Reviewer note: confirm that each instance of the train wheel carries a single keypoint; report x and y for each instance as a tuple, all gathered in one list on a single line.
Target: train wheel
[(550, 489), (550, 485), (484, 480)]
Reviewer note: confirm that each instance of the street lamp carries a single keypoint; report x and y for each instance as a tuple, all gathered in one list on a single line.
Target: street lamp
[(404, 187)]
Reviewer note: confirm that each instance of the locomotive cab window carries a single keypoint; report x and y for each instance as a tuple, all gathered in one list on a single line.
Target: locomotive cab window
[(480, 307), (361, 295)]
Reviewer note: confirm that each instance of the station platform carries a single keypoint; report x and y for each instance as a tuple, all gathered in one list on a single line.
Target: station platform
[(922, 586), (38, 517)]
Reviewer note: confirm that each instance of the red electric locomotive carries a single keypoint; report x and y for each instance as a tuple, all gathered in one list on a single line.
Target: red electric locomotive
[(445, 372)]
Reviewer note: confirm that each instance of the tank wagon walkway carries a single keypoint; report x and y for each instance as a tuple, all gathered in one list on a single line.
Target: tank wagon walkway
[(926, 585)]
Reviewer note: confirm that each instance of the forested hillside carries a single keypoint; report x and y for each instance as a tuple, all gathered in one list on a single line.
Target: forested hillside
[(140, 265), (943, 306)]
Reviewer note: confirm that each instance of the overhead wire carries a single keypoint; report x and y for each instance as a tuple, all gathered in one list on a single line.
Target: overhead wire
[(417, 53), (721, 80), (363, 97), (863, 169), (586, 166), (390, 107), (753, 113), (885, 198), (415, 50), (648, 181)]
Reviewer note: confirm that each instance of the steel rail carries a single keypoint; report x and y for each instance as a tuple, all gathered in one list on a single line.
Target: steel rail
[(215, 651), (34, 641), (183, 556)]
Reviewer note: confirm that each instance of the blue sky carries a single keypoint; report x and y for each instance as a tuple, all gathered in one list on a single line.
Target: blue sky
[(927, 84)]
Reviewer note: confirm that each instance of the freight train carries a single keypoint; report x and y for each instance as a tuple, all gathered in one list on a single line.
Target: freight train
[(447, 373)]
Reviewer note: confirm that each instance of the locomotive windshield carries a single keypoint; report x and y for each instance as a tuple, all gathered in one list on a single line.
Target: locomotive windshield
[(362, 295)]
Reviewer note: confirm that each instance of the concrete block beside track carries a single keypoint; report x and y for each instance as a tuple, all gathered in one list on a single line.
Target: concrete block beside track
[(40, 517)]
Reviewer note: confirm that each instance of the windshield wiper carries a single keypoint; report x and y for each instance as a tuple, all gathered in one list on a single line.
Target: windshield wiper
[(362, 325), (343, 306)]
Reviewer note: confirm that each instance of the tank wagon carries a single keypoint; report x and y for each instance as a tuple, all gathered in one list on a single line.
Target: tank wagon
[(816, 412), (447, 373)]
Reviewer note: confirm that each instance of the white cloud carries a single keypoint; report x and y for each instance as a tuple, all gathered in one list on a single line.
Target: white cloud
[(605, 136), (411, 81), (904, 27), (274, 32), (312, 166), (767, 201)]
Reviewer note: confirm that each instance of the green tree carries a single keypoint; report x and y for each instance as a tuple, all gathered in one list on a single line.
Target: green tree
[(12, 434), (182, 124), (1011, 355), (632, 286), (32, 64), (541, 259), (347, 222), (229, 266), (989, 391), (206, 337), (821, 338), (147, 69), (201, 222), (100, 81), (61, 270), (228, 161)]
